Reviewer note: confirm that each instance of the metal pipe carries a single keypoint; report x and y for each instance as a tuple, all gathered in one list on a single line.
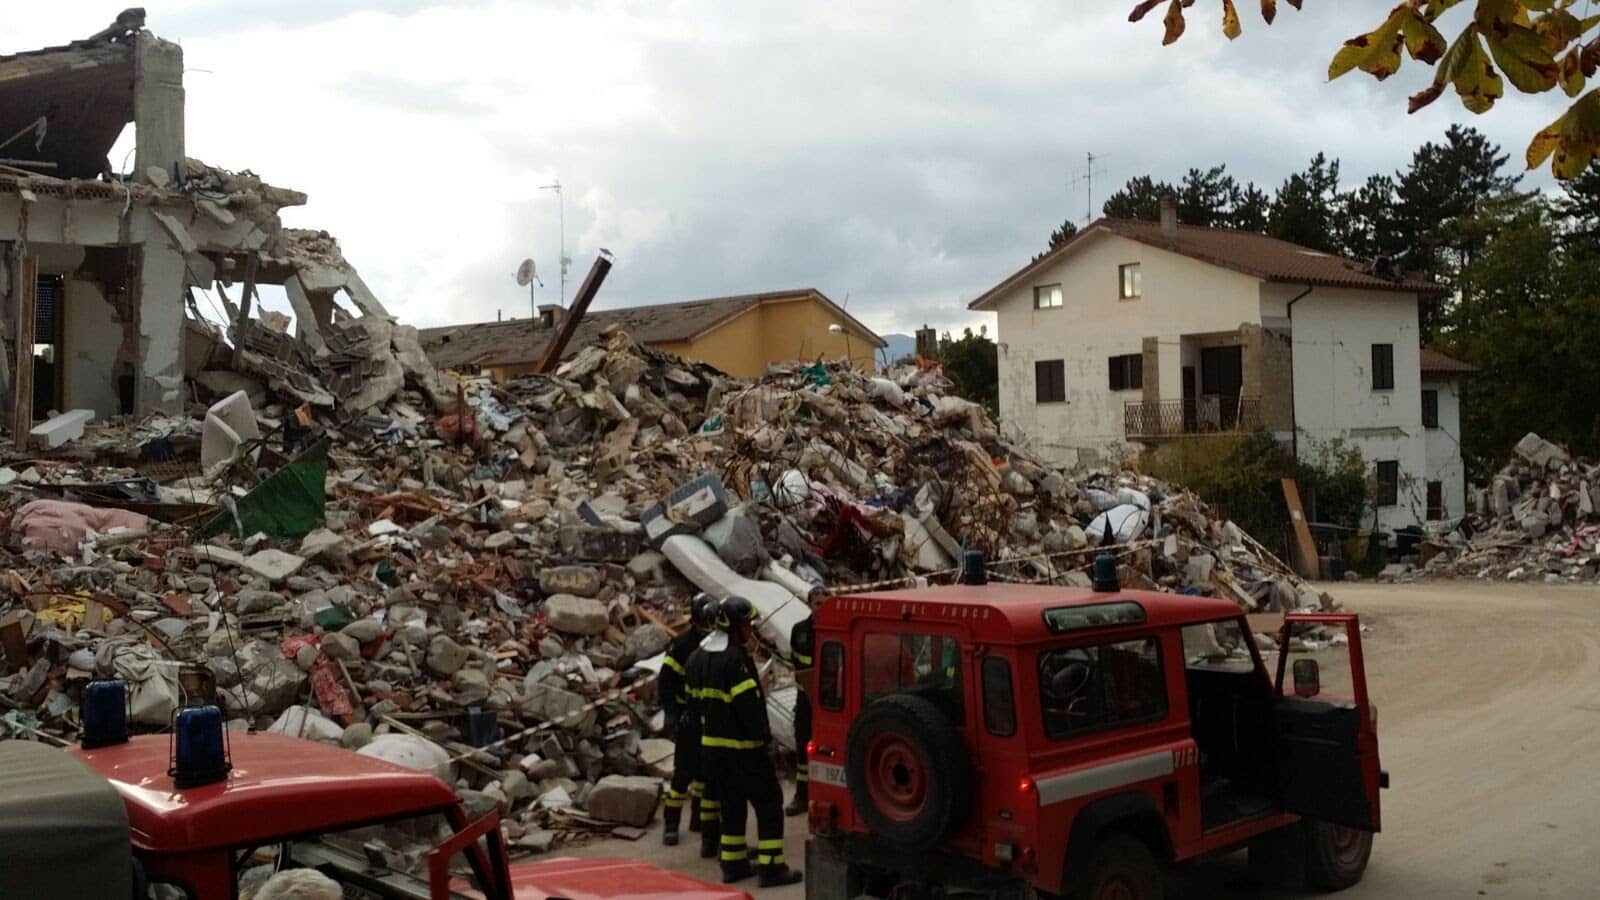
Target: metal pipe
[(1294, 408), (580, 305)]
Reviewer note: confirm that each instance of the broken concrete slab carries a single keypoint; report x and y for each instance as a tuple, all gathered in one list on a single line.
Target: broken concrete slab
[(572, 614), (628, 799), (59, 430)]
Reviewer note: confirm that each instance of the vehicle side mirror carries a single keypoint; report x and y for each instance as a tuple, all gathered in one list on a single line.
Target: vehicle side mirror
[(1307, 678)]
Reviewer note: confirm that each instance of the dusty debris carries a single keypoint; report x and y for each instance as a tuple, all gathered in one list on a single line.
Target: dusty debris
[(1535, 521), (495, 610)]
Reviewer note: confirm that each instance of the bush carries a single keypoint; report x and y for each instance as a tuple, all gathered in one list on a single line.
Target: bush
[(1241, 476)]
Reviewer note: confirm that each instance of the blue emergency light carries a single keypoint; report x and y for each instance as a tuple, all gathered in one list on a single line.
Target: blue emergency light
[(1105, 573), (973, 569), (199, 747), (104, 713)]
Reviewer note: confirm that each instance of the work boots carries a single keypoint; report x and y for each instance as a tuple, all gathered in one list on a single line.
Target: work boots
[(670, 817), (710, 839), (798, 805), (777, 875), (734, 872)]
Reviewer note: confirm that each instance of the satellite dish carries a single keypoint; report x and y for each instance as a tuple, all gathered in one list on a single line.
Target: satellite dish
[(526, 272)]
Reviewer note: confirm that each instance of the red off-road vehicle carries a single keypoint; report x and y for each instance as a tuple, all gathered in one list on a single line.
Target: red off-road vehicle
[(1018, 740), (114, 823)]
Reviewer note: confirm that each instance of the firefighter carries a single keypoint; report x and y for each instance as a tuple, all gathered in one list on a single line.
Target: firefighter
[(734, 739), (801, 647), (683, 725)]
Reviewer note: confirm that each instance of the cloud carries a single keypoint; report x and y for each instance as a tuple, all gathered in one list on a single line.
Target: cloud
[(903, 155)]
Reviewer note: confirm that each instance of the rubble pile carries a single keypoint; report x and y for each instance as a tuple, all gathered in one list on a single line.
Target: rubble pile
[(1536, 520), (482, 585)]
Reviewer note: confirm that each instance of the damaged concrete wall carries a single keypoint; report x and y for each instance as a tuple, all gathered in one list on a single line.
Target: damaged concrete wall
[(158, 113), (91, 337)]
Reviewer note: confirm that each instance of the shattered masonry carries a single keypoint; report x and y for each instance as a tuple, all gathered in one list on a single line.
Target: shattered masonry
[(115, 259)]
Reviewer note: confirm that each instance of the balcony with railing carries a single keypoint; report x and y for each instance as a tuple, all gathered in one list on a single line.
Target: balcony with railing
[(1161, 419)]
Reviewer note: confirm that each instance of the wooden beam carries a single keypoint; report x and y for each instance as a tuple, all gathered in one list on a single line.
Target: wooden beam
[(1310, 565), (24, 284)]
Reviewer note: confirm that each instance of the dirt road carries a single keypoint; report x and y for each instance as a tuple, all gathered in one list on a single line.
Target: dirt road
[(1489, 700)]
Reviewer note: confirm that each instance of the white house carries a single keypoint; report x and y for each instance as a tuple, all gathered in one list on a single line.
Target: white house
[(1140, 332)]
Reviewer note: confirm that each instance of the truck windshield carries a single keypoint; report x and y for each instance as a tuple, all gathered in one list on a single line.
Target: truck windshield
[(375, 862)]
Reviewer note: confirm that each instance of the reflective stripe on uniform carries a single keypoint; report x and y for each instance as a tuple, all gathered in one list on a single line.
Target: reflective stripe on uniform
[(705, 693), (708, 803), (803, 660), (802, 775), (730, 743), (733, 848), (769, 852), (697, 788), (674, 665)]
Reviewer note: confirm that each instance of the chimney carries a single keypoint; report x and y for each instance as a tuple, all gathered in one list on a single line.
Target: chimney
[(551, 314), (1169, 217)]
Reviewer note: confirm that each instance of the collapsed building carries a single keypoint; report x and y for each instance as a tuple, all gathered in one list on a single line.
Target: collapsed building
[(99, 268)]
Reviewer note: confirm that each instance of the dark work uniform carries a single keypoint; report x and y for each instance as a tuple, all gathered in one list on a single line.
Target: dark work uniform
[(684, 718), (802, 641), (734, 738)]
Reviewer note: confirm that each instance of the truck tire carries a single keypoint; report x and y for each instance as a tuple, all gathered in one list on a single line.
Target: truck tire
[(909, 774), (1121, 867), (1336, 856)]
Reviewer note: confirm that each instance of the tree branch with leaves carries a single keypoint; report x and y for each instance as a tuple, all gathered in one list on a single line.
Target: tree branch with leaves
[(1537, 45)]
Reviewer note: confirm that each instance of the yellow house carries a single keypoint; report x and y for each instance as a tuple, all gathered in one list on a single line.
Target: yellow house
[(740, 335)]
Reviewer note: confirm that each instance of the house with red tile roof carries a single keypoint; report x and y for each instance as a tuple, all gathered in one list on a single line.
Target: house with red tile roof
[(1134, 333)]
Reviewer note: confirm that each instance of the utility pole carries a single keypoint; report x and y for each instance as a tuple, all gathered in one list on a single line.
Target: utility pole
[(562, 201)]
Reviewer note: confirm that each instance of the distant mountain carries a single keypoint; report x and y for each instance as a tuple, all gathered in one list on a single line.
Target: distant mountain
[(899, 345)]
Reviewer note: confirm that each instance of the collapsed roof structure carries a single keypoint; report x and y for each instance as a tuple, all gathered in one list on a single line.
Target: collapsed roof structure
[(99, 267)]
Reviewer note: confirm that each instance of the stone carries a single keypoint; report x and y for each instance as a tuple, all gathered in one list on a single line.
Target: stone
[(322, 544), (340, 646), (572, 614), (516, 786), (445, 657), (255, 601), (356, 736), (548, 704), (273, 564), (499, 540), (410, 751), (363, 631), (627, 799), (471, 686), (647, 640), (580, 581)]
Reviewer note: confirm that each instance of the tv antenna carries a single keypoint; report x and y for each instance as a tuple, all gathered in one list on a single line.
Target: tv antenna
[(1086, 178), (565, 260), (528, 277)]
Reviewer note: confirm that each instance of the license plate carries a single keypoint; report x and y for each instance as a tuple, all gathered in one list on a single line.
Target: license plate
[(828, 774)]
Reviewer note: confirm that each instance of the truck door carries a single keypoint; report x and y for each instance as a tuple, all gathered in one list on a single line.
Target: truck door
[(1326, 736)]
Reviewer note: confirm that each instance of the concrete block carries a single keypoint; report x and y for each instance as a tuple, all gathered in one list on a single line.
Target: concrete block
[(56, 431), (629, 799)]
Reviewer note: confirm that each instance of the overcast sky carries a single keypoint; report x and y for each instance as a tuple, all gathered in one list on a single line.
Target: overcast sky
[(900, 156)]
